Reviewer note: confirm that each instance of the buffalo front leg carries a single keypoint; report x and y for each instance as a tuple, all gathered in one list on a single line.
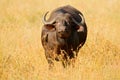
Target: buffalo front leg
[(49, 59)]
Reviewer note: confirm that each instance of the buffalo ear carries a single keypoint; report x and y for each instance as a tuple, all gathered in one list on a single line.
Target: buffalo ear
[(80, 28), (49, 26)]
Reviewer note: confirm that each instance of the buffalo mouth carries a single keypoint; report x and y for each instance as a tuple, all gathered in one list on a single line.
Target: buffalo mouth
[(63, 34)]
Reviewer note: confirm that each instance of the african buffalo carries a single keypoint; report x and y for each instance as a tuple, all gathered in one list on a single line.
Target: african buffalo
[(63, 34)]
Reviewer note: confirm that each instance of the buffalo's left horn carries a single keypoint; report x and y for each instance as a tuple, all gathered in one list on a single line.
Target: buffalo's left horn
[(79, 23), (45, 21)]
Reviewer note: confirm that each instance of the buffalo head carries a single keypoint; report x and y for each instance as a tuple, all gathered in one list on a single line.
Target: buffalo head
[(62, 23)]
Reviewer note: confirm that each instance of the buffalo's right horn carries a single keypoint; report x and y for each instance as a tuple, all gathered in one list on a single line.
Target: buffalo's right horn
[(45, 21), (82, 21)]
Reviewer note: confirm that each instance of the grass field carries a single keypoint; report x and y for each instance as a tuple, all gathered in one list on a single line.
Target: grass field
[(22, 56)]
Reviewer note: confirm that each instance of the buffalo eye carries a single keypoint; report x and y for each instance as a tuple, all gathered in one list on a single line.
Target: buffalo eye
[(66, 24), (54, 23)]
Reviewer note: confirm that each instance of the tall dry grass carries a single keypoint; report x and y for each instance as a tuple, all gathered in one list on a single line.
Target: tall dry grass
[(22, 56)]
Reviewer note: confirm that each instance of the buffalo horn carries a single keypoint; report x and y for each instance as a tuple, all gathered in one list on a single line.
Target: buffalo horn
[(45, 21), (79, 23)]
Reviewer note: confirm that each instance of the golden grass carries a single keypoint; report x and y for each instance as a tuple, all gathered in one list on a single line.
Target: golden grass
[(22, 56)]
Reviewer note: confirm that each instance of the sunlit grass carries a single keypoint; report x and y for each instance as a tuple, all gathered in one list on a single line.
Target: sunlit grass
[(22, 55)]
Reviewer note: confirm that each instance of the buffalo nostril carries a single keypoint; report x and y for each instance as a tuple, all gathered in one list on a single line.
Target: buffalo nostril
[(67, 30), (60, 31)]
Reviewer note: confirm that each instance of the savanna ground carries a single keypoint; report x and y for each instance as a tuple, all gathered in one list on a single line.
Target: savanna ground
[(22, 56)]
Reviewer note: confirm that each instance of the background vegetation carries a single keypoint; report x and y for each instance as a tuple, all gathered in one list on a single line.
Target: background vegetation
[(22, 56)]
